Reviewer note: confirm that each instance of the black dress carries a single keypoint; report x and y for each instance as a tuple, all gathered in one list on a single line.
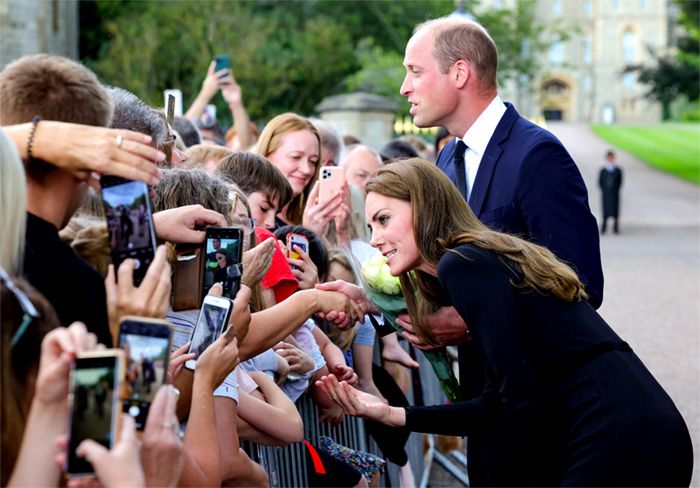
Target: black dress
[(572, 402)]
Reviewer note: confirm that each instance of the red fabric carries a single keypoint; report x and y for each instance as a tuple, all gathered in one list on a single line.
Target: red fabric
[(279, 277), (318, 464)]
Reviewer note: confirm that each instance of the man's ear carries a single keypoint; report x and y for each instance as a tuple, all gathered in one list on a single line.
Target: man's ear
[(462, 73)]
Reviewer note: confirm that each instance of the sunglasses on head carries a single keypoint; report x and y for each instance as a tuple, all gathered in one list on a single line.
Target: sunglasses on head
[(28, 308)]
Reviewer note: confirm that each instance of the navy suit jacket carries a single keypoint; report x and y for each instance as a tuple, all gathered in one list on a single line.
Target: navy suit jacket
[(527, 184)]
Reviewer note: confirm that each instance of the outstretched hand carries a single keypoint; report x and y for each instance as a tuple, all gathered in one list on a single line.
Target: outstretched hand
[(360, 404)]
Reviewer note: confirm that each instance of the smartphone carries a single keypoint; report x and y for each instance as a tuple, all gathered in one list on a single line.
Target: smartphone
[(94, 404), (222, 259), (130, 223), (331, 180), (178, 99), (146, 346), (221, 62), (213, 319), (299, 241)]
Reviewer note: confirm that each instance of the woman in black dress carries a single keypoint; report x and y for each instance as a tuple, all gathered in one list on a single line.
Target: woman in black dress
[(574, 405)]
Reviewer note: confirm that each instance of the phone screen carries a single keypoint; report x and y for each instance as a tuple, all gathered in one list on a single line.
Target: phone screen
[(147, 349), (210, 324), (95, 386), (223, 254), (130, 222)]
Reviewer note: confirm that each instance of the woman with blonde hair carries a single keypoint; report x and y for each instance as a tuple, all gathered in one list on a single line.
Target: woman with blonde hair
[(568, 399), (13, 204), (293, 145)]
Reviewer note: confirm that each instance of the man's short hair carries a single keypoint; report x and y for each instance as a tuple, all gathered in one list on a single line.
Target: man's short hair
[(131, 113), (54, 87), (255, 173), (455, 39)]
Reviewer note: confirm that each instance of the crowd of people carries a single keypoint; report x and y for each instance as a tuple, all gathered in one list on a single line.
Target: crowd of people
[(489, 232)]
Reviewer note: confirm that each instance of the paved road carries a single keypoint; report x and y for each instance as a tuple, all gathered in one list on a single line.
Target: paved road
[(652, 270)]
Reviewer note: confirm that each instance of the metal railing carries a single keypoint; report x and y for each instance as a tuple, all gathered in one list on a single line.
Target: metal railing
[(286, 466)]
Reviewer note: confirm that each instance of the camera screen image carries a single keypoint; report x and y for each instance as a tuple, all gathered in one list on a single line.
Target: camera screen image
[(146, 360), (208, 328), (222, 265), (93, 394), (126, 208)]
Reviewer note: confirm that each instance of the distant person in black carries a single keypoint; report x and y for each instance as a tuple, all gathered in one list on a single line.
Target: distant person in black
[(610, 182), (58, 89), (573, 402)]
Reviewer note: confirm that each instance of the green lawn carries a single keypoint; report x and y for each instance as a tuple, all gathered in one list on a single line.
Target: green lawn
[(673, 147)]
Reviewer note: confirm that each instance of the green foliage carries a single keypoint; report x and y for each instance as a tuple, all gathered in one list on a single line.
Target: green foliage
[(286, 55), (674, 74), (673, 148)]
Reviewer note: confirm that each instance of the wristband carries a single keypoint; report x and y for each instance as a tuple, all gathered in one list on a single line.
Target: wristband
[(30, 140)]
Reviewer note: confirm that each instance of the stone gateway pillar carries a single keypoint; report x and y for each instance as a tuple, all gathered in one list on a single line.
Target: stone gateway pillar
[(366, 116)]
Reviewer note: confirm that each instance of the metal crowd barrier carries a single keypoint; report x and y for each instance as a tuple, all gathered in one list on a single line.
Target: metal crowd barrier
[(286, 466)]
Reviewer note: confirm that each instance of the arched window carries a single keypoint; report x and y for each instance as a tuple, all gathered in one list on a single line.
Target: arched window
[(629, 46), (554, 87)]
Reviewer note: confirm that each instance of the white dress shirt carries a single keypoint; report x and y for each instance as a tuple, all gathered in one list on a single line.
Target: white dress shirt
[(477, 138)]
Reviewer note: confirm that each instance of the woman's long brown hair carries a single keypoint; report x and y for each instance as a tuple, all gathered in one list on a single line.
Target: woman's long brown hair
[(442, 220)]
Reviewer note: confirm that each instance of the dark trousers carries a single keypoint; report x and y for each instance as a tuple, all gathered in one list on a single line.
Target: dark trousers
[(604, 225)]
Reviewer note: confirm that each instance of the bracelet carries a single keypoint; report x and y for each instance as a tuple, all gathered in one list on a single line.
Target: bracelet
[(30, 141)]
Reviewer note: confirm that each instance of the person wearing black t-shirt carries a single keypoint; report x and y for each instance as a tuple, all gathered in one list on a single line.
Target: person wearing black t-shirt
[(60, 89)]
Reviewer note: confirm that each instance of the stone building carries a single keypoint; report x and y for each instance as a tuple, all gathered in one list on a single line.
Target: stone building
[(38, 26), (582, 78)]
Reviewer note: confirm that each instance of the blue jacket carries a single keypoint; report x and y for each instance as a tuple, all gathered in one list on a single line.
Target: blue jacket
[(528, 185)]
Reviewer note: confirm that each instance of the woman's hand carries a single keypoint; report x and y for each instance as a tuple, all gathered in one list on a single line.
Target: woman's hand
[(317, 214), (179, 225), (178, 358), (150, 299), (353, 292), (58, 350), (120, 466), (161, 441), (210, 85), (240, 316), (343, 372), (218, 360), (257, 262), (360, 404), (337, 308), (342, 220), (299, 362), (304, 269), (83, 150)]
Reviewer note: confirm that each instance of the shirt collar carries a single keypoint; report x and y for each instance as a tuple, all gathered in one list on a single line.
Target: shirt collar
[(481, 131)]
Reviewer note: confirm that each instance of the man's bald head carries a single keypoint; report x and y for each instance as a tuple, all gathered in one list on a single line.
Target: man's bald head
[(360, 163)]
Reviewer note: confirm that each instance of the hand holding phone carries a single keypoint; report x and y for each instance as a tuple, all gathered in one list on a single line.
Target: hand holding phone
[(129, 215), (222, 62), (300, 242), (146, 345), (219, 359), (94, 404), (213, 318), (331, 180), (222, 263), (120, 466)]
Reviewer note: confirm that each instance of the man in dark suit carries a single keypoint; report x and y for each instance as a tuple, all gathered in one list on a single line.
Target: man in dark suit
[(517, 178), (610, 182)]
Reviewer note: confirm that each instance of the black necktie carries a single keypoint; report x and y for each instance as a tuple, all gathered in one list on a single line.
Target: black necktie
[(460, 172)]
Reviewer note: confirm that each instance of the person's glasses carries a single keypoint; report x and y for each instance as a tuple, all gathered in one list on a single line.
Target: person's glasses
[(28, 308), (248, 225)]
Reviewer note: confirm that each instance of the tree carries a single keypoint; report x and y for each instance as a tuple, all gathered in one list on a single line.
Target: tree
[(674, 72)]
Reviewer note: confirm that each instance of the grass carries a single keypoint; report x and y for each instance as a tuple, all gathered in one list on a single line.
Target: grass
[(673, 148)]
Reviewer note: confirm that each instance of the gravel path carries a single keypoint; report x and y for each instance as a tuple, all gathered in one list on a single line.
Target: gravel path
[(652, 270)]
